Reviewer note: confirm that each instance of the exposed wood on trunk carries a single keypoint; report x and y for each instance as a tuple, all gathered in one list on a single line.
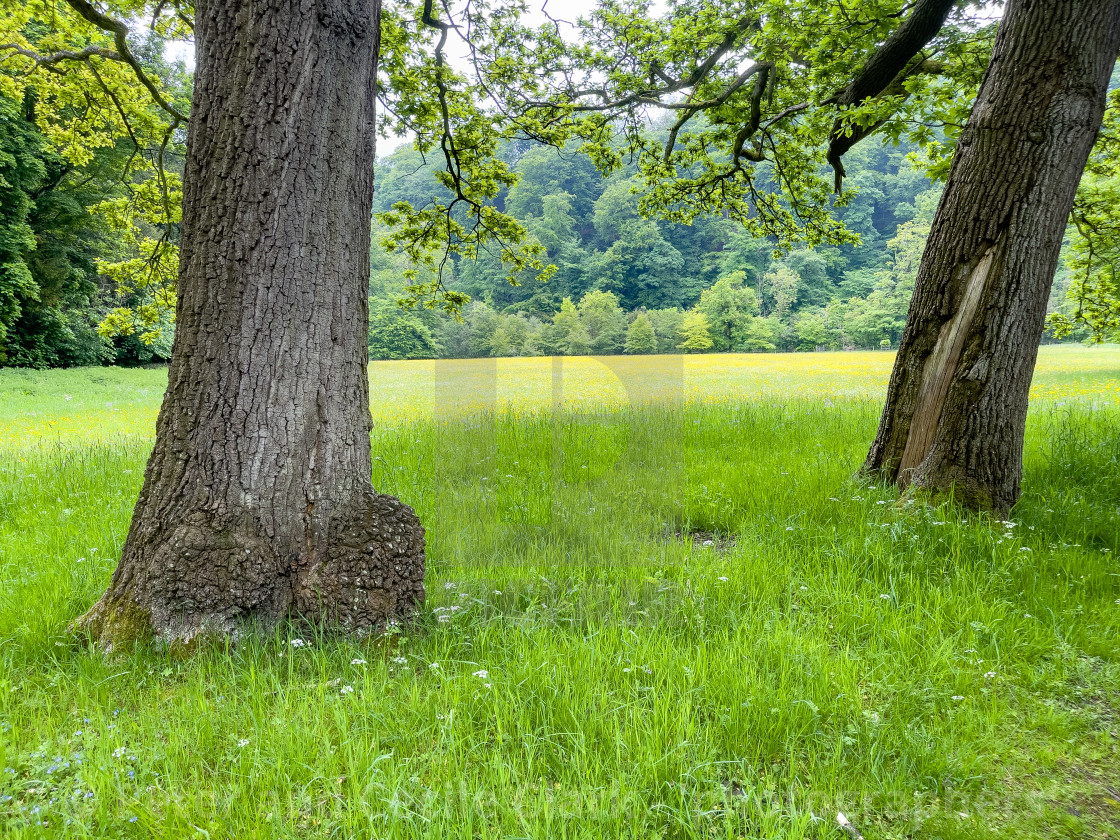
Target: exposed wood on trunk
[(957, 402), (938, 372), (257, 502)]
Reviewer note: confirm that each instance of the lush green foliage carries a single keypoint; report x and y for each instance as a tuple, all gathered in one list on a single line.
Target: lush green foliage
[(533, 85), (52, 291), (716, 114), (586, 667), (591, 228), (106, 199)]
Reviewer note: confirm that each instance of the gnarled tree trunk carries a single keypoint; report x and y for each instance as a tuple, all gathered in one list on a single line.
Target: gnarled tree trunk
[(957, 402), (257, 502)]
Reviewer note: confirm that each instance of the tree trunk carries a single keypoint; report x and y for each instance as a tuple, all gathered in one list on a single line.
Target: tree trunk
[(957, 402), (257, 503)]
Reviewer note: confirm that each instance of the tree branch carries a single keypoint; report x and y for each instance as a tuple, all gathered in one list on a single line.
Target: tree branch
[(880, 70), (48, 61), (120, 38)]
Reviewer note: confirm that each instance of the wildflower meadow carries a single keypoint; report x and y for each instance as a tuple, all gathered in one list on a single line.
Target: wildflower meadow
[(661, 602)]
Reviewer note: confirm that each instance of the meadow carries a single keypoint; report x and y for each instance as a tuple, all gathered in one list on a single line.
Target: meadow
[(660, 604)]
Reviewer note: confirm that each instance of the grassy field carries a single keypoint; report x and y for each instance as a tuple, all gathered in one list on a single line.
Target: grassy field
[(659, 605)]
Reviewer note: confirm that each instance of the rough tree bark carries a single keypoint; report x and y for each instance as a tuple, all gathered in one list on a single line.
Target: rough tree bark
[(957, 402), (257, 502)]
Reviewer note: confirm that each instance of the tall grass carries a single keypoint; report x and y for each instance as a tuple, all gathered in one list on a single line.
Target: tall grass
[(673, 620)]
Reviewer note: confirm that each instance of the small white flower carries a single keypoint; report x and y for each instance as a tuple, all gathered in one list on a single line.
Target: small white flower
[(1027, 615), (804, 588), (400, 660), (357, 662), (244, 742), (990, 675), (885, 597), (707, 543), (434, 666), (958, 696), (723, 578), (487, 685), (298, 643), (118, 752), (626, 670), (449, 585), (347, 689), (482, 674)]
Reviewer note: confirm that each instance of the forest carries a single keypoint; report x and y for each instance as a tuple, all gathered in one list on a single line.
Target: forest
[(624, 282)]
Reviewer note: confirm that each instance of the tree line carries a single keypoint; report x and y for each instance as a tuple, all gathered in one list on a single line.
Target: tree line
[(626, 284)]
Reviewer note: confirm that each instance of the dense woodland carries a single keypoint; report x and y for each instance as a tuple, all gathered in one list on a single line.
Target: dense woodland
[(627, 284), (623, 283), (77, 229)]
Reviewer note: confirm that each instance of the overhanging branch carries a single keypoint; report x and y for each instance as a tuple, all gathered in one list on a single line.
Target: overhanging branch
[(881, 70), (124, 53)]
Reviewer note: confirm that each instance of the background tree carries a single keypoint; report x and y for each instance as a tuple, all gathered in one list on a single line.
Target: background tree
[(781, 284), (730, 308), (694, 333), (640, 337), (604, 320), (396, 333)]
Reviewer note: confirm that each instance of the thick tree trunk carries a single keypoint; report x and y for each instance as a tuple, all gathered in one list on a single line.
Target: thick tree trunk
[(257, 502), (957, 402)]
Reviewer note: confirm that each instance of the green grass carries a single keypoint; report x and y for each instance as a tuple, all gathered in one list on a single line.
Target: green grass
[(930, 674)]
